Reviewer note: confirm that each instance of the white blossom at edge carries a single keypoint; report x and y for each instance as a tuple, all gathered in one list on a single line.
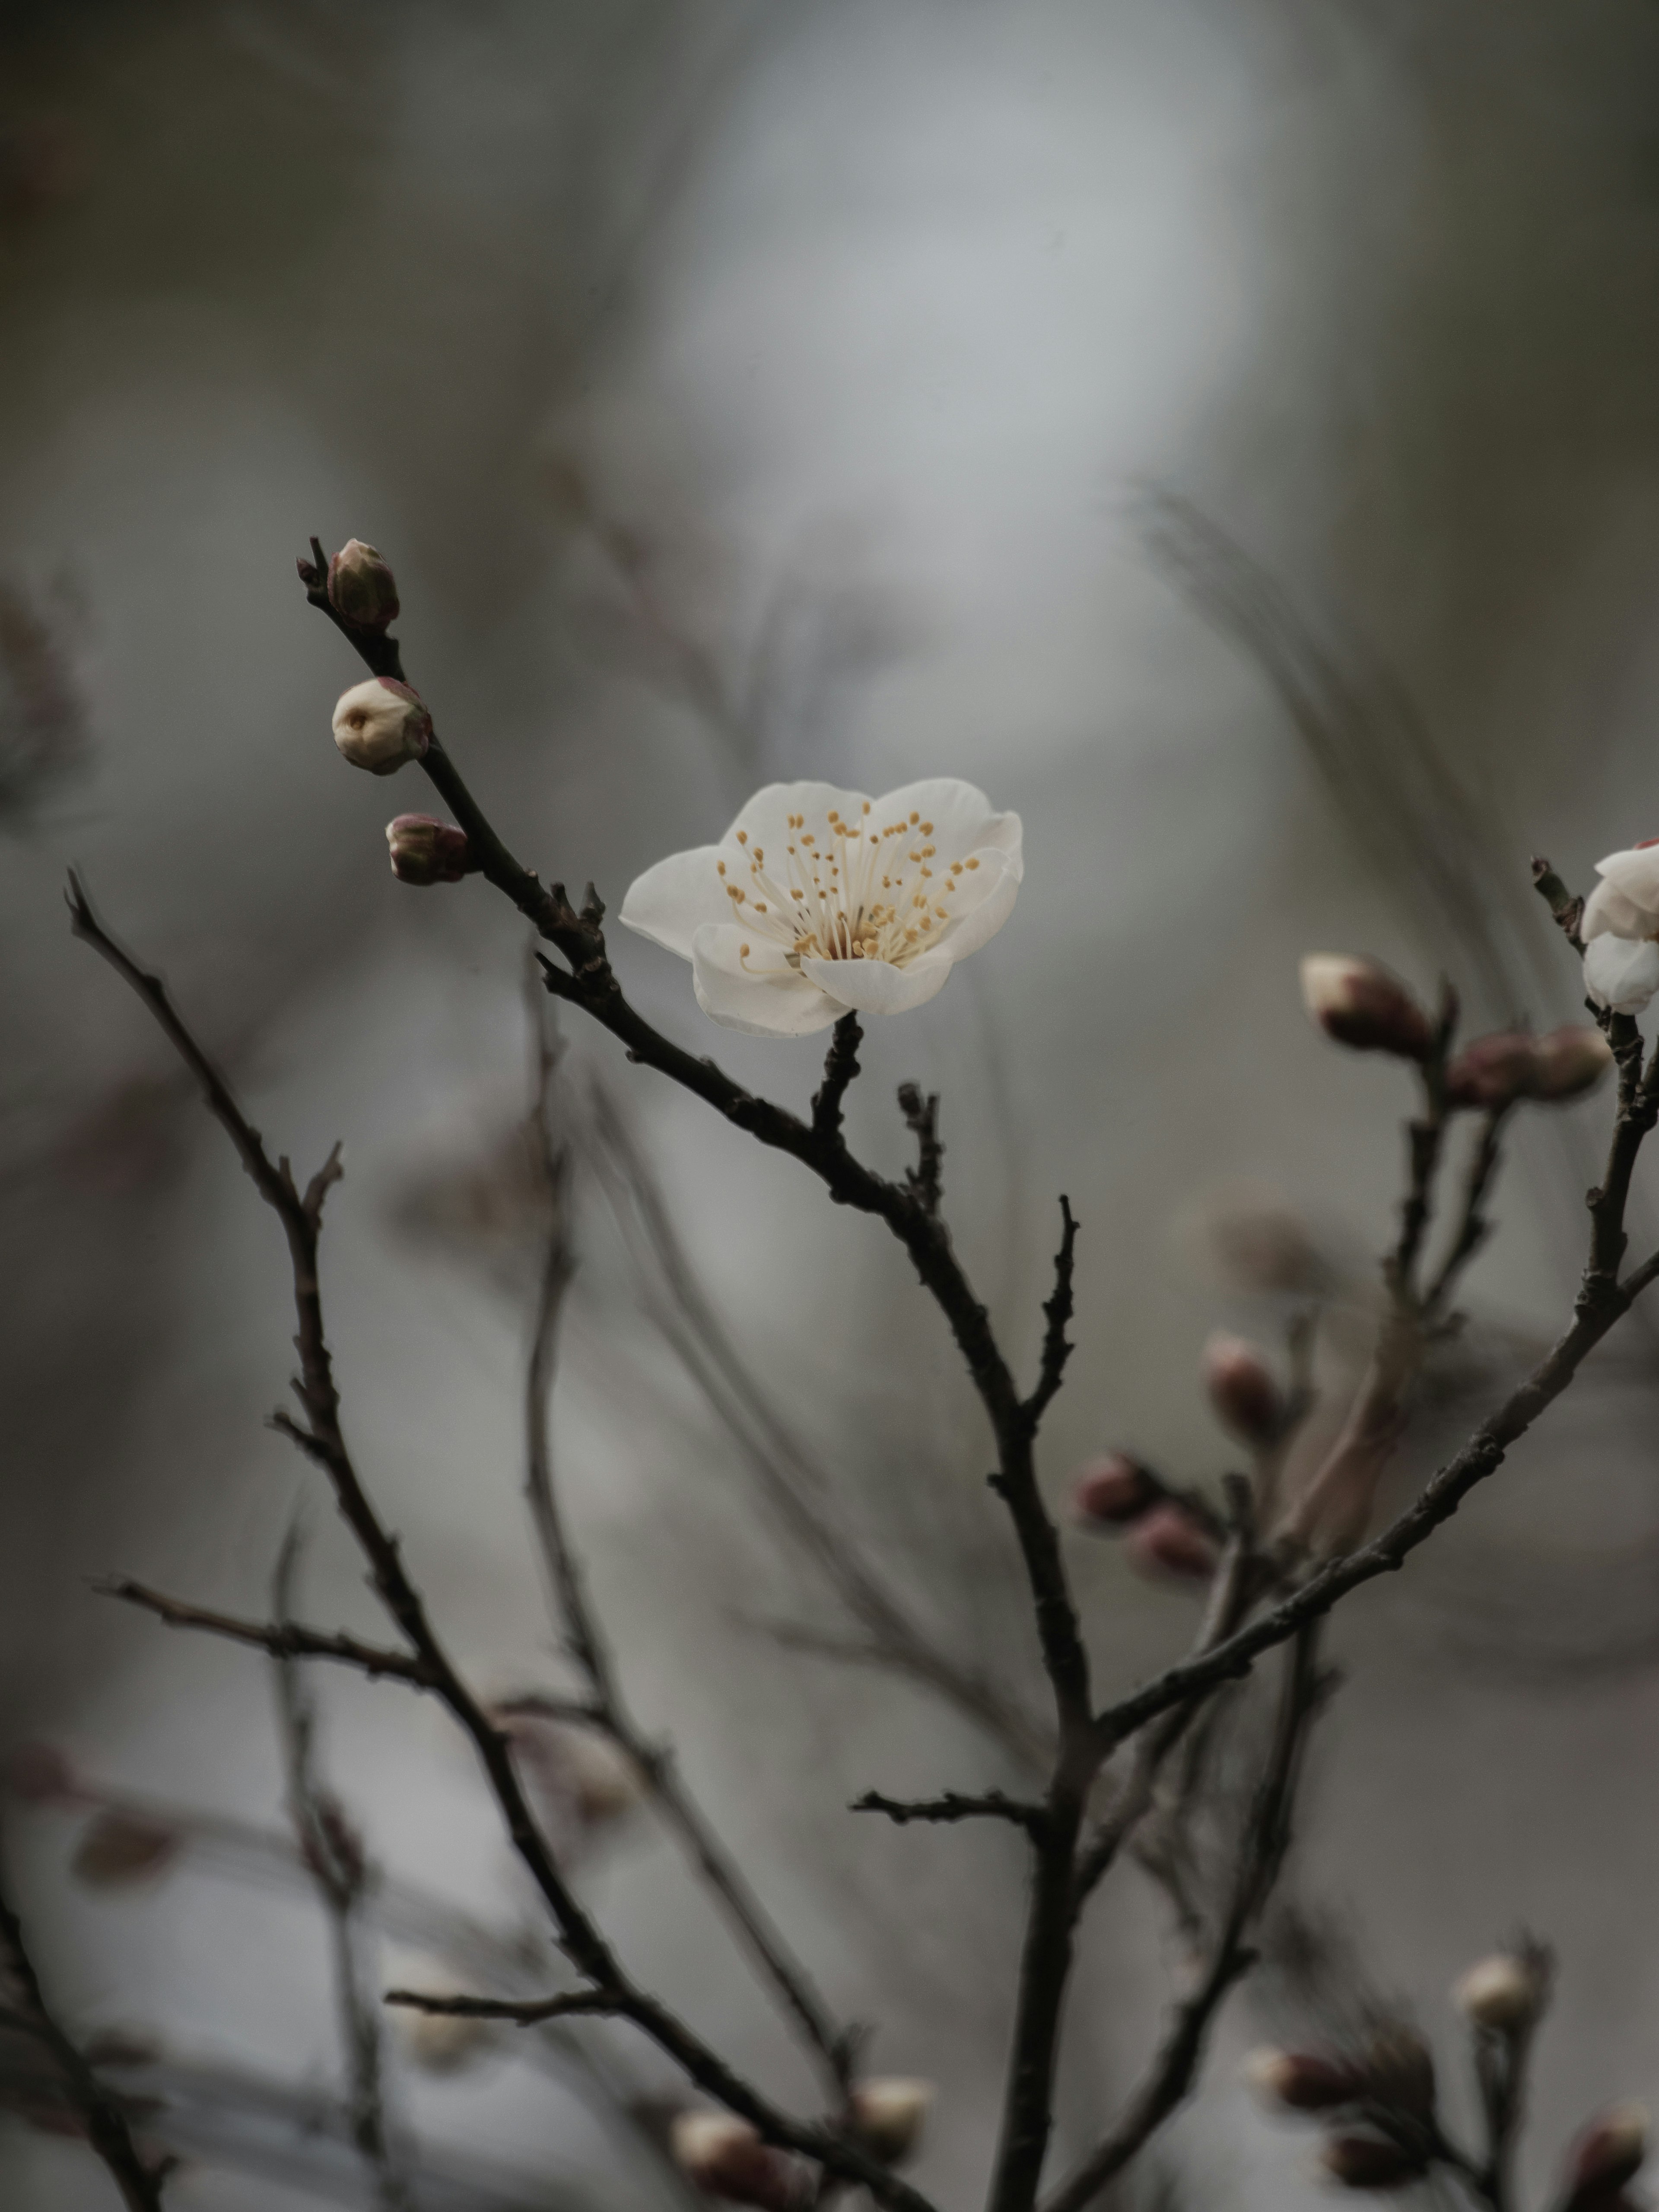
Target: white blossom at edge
[(1620, 928)]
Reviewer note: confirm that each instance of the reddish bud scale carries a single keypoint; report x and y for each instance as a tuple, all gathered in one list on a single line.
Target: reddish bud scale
[(1359, 2161), (1493, 1072), (427, 851), (1608, 2154), (1112, 1491), (1168, 1540), (1302, 2082), (726, 2157)]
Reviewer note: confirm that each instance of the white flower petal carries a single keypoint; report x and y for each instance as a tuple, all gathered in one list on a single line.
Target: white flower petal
[(766, 816), (759, 993), (671, 902), (1635, 873), (876, 987), (986, 899), (1621, 974), (963, 817), (1607, 910)]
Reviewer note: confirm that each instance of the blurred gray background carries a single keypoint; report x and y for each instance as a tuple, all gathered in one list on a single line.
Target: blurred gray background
[(1229, 434)]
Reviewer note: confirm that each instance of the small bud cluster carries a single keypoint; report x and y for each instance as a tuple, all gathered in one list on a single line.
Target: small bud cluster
[(1363, 1004), (1381, 2105), (1164, 1535)]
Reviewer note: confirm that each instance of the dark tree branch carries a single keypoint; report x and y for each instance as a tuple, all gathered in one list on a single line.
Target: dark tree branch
[(332, 1852), (1568, 911), (589, 1646), (924, 1182), (1266, 1839), (569, 2004), (841, 1066), (281, 1640), (98, 2109), (993, 1806), (579, 1934), (1056, 1345), (1474, 1224)]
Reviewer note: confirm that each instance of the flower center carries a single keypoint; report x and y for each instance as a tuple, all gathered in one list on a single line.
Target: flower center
[(851, 891)]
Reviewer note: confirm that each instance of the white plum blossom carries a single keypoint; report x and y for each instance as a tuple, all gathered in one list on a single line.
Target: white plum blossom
[(1620, 930), (818, 903), (381, 724)]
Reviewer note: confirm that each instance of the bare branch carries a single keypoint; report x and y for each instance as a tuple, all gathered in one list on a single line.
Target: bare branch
[(1568, 911), (281, 1640), (1056, 1346), (569, 2004), (840, 1068), (923, 1181), (993, 1806)]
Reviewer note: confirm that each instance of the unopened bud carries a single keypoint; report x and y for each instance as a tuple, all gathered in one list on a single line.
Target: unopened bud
[(726, 2156), (1503, 1994), (887, 2115), (442, 2042), (1494, 1071), (1112, 1491), (121, 1849), (1606, 2156), (1302, 2081), (579, 1775), (1359, 1003), (1369, 2162), (1568, 1062), (1169, 1540), (427, 851), (1246, 1398), (361, 590), (1400, 2071), (381, 724)]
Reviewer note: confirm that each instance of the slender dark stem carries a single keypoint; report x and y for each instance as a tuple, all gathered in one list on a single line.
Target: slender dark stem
[(924, 1182), (993, 1806), (1474, 1224), (530, 2012), (323, 1440), (332, 1852), (585, 1635), (1266, 1839), (282, 1639), (1056, 1345), (101, 2111), (841, 1066)]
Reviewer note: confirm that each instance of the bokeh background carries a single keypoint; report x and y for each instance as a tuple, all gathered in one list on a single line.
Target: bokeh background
[(1227, 433)]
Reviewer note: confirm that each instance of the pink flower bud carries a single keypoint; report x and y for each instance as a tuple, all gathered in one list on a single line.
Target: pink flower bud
[(1494, 1071), (427, 851), (1246, 1398), (1568, 1062), (1503, 1994), (887, 2115), (1369, 2162), (120, 1850), (1302, 2081), (1606, 2156), (1168, 1542), (361, 590), (381, 724), (1112, 1490), (1360, 1003), (726, 2156)]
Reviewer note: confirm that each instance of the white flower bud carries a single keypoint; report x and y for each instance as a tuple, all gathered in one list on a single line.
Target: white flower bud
[(888, 2114), (1503, 1993), (1621, 972), (1359, 1003), (1608, 2154), (381, 724)]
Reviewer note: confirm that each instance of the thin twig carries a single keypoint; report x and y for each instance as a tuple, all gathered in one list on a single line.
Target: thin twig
[(99, 2109), (281, 1640), (924, 1182), (333, 1854), (994, 1805), (841, 1066), (530, 2012), (1056, 1344)]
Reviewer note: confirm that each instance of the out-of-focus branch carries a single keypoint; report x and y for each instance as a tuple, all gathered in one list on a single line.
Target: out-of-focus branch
[(334, 1855), (281, 1640), (1261, 1854), (325, 1442), (585, 1635), (100, 2111), (569, 2004), (994, 1805), (793, 1484)]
